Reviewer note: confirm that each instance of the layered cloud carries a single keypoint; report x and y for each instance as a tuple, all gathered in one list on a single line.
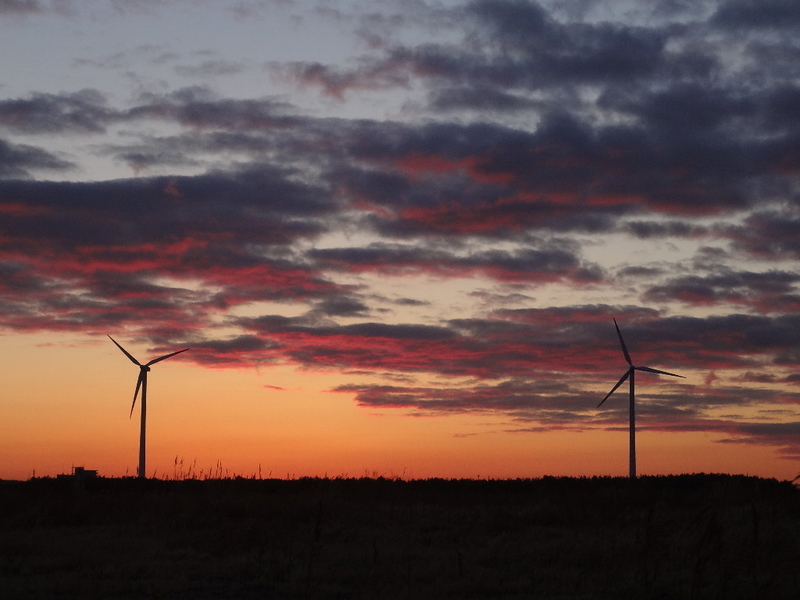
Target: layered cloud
[(542, 168)]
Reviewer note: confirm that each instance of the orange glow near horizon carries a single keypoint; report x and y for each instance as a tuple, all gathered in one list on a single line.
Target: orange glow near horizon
[(68, 406)]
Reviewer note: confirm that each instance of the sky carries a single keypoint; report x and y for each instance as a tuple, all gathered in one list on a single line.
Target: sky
[(396, 236)]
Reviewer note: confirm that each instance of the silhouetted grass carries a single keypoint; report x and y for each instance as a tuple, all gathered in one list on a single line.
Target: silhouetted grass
[(693, 536)]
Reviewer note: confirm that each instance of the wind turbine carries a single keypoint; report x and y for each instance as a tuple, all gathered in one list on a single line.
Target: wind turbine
[(630, 374), (142, 383)]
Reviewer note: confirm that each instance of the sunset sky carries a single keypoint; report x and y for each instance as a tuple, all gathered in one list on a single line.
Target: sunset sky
[(394, 234)]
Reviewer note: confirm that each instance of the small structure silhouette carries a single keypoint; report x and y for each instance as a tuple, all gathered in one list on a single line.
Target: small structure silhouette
[(79, 477), (629, 374), (79, 474)]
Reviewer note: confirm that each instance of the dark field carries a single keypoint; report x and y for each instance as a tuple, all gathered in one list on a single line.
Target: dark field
[(698, 536)]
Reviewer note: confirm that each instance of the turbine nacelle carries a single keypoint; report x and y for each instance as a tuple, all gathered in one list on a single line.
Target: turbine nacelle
[(632, 368)]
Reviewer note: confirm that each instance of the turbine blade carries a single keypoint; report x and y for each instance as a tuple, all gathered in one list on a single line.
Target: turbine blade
[(614, 389), (166, 356), (622, 343), (649, 370), (139, 381), (125, 352)]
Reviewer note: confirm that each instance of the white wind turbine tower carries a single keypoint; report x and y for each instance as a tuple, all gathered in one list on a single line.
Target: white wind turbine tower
[(630, 374), (142, 383)]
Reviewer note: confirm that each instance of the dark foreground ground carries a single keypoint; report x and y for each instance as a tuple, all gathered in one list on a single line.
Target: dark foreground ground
[(697, 536)]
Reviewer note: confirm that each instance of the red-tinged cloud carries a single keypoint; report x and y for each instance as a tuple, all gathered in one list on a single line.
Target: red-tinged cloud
[(154, 251), (482, 180), (89, 294), (316, 343), (540, 343), (416, 166)]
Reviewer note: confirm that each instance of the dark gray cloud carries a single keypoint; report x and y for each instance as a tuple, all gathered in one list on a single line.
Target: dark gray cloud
[(210, 68), (749, 14), (82, 112), (767, 292), (200, 107), (343, 306), (17, 160), (769, 234), (88, 111), (520, 400), (21, 6), (264, 206), (479, 98), (545, 264), (671, 229), (547, 51), (683, 109)]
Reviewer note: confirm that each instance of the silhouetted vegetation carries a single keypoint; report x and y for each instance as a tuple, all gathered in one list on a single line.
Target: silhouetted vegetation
[(692, 536)]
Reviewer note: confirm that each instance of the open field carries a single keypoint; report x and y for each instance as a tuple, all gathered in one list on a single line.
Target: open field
[(692, 536)]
